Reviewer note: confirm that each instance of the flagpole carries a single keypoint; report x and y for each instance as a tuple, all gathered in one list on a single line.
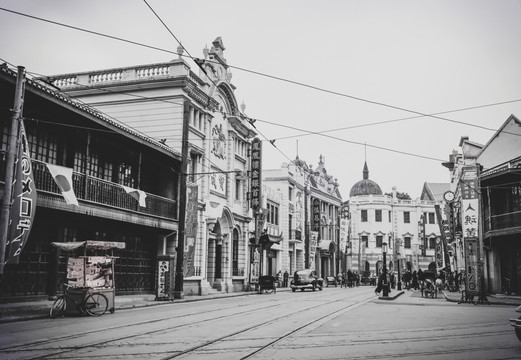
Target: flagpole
[(9, 172)]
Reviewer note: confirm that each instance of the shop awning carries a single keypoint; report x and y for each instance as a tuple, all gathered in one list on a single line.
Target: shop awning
[(267, 240), (90, 244)]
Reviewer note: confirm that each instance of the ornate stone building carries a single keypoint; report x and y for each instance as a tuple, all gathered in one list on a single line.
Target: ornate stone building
[(150, 98)]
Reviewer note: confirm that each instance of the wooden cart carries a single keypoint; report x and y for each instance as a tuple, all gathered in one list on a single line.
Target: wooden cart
[(94, 269)]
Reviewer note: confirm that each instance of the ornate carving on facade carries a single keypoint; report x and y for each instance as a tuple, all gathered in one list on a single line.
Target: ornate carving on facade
[(218, 142)]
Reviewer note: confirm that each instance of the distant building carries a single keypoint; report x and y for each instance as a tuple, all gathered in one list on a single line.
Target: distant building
[(409, 227)]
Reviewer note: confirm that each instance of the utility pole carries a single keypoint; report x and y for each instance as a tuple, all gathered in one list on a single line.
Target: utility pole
[(180, 250), (9, 171)]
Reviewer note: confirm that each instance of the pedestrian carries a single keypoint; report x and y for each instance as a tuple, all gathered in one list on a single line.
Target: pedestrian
[(407, 277), (415, 280), (286, 277), (349, 278)]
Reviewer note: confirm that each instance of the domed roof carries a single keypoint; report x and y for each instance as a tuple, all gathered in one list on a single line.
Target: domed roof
[(365, 186)]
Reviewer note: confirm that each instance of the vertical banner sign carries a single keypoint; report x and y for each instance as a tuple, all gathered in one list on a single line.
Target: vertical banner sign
[(24, 202), (363, 256), (438, 254), (312, 248), (344, 225), (316, 215), (162, 278), (190, 231), (471, 265), (255, 267), (256, 173)]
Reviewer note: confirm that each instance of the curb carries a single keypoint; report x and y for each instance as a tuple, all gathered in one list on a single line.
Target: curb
[(390, 297)]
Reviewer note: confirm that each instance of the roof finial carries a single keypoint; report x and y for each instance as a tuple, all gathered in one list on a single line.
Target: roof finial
[(366, 171)]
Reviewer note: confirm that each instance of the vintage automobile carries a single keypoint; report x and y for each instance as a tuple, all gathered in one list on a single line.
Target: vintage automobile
[(306, 279)]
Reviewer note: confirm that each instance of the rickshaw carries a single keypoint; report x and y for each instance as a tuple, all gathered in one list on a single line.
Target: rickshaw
[(267, 284)]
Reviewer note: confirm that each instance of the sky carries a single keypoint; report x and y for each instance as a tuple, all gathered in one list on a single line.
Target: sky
[(393, 83)]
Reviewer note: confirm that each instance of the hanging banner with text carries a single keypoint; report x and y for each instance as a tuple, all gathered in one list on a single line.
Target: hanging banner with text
[(256, 174), (313, 239), (190, 231)]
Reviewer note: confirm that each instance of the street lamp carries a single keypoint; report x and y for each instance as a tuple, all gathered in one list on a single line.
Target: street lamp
[(399, 276), (385, 283)]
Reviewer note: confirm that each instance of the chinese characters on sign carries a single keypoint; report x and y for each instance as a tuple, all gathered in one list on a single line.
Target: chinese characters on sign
[(190, 231), (316, 215), (256, 173), (471, 264), (312, 248)]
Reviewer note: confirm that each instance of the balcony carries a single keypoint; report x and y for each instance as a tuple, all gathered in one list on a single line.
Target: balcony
[(504, 223), (106, 193)]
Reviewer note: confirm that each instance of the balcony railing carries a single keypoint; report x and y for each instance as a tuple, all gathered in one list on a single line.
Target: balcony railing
[(503, 221), (105, 192)]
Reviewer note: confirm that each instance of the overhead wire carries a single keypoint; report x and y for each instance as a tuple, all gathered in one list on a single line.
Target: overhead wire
[(198, 61)]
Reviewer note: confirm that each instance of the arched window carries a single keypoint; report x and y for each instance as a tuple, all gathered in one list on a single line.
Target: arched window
[(235, 252)]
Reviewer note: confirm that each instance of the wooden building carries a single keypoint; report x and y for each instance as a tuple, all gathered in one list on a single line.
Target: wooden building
[(107, 159)]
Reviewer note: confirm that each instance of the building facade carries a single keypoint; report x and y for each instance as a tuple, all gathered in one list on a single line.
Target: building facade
[(151, 99), (108, 161), (409, 228)]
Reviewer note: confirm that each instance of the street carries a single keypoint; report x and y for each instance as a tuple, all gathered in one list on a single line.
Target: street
[(335, 323)]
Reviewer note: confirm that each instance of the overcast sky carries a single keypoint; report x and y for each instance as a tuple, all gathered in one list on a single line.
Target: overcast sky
[(348, 66)]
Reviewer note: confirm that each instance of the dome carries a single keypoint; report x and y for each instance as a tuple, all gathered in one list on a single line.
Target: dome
[(365, 186)]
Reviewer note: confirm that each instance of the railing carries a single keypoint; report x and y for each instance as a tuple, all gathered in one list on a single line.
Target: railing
[(237, 271), (105, 192), (503, 221)]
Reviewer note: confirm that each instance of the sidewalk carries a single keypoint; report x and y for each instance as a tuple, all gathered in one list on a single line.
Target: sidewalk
[(39, 309)]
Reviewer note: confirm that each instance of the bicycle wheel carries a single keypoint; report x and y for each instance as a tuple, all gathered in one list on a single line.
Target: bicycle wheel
[(58, 308), (96, 304)]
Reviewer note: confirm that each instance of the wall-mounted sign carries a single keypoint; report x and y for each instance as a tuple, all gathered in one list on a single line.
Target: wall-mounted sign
[(190, 231), (256, 174), (316, 215)]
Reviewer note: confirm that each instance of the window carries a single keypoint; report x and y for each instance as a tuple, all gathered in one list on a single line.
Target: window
[(193, 167), (364, 215), (431, 218), (407, 242), (390, 218), (273, 215), (432, 243), (290, 194), (290, 226), (365, 241), (406, 217), (379, 240), (235, 252), (237, 189), (378, 215)]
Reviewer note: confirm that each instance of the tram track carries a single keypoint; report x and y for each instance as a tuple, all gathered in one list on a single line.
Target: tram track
[(269, 322), (58, 350)]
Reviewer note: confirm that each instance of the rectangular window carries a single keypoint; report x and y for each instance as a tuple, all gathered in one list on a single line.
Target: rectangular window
[(365, 241), (379, 240), (290, 194), (407, 242), (390, 218), (432, 243), (378, 215), (237, 189), (406, 217), (290, 226), (431, 218), (364, 215)]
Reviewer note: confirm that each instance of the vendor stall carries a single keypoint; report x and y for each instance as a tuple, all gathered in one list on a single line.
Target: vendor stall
[(94, 268)]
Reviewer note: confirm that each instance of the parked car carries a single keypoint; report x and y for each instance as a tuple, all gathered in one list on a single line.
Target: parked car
[(331, 280), (306, 279)]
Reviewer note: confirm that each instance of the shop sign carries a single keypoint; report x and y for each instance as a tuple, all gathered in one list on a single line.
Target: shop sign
[(190, 231), (313, 238), (471, 265), (256, 174), (316, 215)]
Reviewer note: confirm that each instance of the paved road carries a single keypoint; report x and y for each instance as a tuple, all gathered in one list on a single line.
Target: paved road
[(332, 324)]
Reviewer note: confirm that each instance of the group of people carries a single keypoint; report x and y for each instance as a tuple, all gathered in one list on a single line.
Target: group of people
[(416, 280), (348, 279)]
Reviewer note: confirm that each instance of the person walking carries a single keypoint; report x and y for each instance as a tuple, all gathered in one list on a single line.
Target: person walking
[(286, 277), (415, 280)]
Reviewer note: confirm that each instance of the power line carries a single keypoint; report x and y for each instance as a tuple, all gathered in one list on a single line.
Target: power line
[(199, 61)]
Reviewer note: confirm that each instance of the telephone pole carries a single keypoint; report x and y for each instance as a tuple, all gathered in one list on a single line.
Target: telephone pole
[(180, 250), (9, 170)]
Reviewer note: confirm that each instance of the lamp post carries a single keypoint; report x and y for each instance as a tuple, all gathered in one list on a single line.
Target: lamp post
[(385, 282), (399, 276)]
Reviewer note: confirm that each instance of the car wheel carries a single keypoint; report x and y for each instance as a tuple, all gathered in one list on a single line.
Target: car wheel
[(293, 289), (302, 289), (320, 288), (314, 287)]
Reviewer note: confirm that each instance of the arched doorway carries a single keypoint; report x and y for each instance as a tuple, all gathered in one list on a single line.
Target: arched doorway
[(220, 242)]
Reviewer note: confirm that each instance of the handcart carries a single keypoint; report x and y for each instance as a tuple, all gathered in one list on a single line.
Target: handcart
[(94, 269), (267, 284)]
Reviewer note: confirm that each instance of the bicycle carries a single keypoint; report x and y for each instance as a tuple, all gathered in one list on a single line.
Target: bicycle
[(92, 303)]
